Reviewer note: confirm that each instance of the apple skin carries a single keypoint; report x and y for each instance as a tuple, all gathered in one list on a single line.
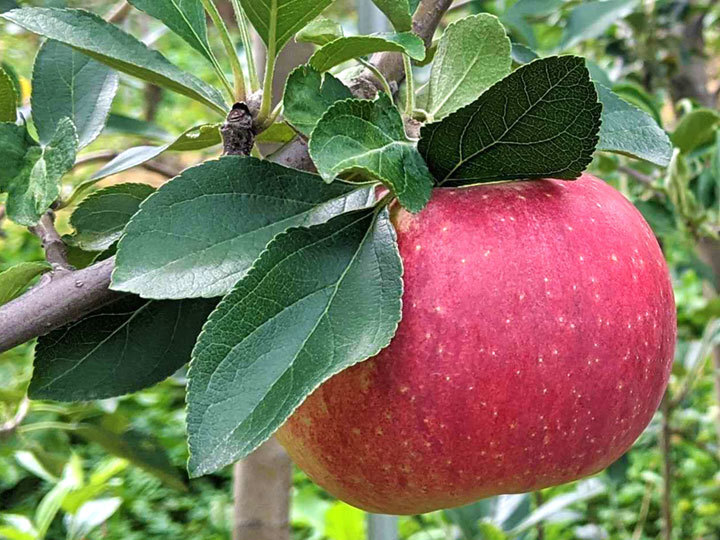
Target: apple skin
[(536, 342)]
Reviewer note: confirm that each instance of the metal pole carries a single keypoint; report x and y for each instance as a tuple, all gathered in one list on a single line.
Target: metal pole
[(382, 527)]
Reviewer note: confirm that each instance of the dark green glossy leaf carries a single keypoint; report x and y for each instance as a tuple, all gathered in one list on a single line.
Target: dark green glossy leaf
[(278, 20), (184, 17), (8, 98), (123, 347), (398, 11), (540, 121), (15, 141), (369, 136), (68, 84), (473, 54), (317, 301), (37, 184), (346, 48), (100, 218), (195, 138), (108, 44), (308, 94), (15, 279), (695, 128), (590, 19), (628, 130), (200, 232), (140, 449), (320, 31)]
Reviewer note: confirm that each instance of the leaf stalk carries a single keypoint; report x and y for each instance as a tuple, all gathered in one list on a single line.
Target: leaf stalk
[(242, 23), (239, 94)]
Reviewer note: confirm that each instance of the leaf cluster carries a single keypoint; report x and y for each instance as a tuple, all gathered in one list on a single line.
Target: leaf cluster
[(306, 265)]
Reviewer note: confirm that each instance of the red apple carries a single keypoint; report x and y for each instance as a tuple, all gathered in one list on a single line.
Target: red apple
[(536, 342)]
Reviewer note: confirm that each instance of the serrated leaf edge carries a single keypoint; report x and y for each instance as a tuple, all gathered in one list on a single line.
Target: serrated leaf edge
[(200, 471)]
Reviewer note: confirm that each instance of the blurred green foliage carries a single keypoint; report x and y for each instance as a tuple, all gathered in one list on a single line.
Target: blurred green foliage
[(636, 53)]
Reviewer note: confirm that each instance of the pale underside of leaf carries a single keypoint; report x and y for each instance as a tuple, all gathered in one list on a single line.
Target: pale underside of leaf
[(473, 54), (627, 130), (362, 135), (200, 233), (346, 48)]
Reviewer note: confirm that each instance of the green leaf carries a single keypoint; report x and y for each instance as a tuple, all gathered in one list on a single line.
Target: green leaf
[(15, 279), (587, 489), (89, 516), (123, 347), (8, 98), (365, 135), (308, 94), (473, 54), (117, 123), (591, 19), (15, 141), (695, 128), (7, 5), (108, 44), (540, 121), (68, 84), (199, 233), (520, 15), (320, 31), (278, 20), (598, 74), (346, 48), (628, 130), (140, 449), (49, 506), (196, 138), (398, 11), (37, 185), (636, 95), (279, 132), (100, 218), (658, 215), (317, 301), (522, 54), (184, 17)]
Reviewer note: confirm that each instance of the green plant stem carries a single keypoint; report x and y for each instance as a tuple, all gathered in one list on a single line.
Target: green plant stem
[(380, 77), (272, 117), (409, 86), (39, 426), (242, 23), (239, 94), (267, 93), (666, 412)]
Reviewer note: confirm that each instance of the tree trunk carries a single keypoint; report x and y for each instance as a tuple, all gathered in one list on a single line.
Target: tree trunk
[(691, 80), (261, 488)]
